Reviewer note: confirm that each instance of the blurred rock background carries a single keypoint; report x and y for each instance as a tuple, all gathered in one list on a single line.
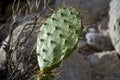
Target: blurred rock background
[(94, 59)]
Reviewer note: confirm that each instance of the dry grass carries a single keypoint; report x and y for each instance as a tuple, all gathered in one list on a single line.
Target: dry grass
[(21, 61)]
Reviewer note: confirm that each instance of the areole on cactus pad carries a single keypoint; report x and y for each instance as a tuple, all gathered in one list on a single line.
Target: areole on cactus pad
[(57, 38)]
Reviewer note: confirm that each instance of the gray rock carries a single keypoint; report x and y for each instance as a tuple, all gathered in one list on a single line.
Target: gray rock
[(105, 66), (97, 40), (114, 24), (103, 25), (75, 67)]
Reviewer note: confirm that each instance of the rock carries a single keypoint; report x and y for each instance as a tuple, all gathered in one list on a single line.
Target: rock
[(105, 65), (91, 10), (114, 24), (75, 68), (97, 40), (103, 25)]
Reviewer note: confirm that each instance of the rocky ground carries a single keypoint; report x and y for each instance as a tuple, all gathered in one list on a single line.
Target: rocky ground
[(94, 59)]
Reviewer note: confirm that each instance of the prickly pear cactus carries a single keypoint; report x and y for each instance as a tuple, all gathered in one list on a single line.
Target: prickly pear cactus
[(57, 38)]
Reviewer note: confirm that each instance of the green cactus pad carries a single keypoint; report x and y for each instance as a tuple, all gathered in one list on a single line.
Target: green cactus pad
[(57, 38)]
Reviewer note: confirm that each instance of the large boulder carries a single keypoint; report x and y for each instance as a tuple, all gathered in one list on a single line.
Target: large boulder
[(75, 67), (114, 24), (104, 65)]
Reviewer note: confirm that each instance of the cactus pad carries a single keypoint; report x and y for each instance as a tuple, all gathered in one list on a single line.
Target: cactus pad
[(57, 38)]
